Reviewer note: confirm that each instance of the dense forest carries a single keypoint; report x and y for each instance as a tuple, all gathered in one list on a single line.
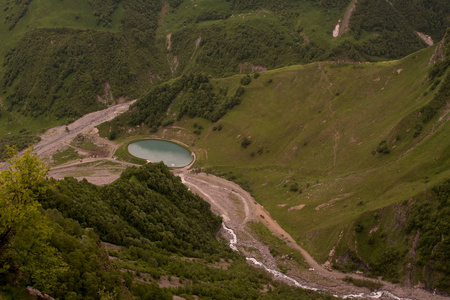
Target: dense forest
[(53, 238), (430, 17), (54, 69), (222, 49), (195, 97), (62, 72), (394, 37)]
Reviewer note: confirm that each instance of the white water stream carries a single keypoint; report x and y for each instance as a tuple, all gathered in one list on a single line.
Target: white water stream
[(277, 274)]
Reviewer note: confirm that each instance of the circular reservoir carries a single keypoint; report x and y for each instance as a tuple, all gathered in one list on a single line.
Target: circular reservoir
[(171, 154)]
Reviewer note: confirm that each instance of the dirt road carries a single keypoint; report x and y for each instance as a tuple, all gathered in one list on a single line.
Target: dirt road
[(55, 137)]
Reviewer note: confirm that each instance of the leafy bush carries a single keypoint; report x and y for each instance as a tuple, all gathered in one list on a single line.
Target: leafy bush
[(245, 142), (383, 147), (246, 80), (103, 10)]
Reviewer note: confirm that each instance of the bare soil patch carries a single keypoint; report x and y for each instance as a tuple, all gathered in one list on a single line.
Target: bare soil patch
[(426, 38), (346, 21), (298, 207)]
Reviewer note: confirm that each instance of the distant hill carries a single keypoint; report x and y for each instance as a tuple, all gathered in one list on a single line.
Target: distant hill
[(63, 60)]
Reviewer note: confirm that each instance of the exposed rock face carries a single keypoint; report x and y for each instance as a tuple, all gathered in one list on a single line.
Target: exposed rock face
[(439, 52), (250, 68), (36, 294)]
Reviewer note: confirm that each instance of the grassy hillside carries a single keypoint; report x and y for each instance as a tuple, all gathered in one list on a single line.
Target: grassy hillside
[(341, 139), (321, 145)]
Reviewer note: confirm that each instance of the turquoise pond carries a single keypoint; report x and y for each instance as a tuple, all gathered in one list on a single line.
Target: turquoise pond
[(171, 154)]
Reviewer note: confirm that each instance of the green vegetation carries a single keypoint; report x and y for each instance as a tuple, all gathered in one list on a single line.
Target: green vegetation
[(308, 133), (430, 17), (25, 253), (64, 156), (386, 29), (64, 65), (313, 129), (278, 248), (191, 95), (134, 222), (103, 10), (392, 35), (15, 11), (403, 241), (19, 141), (160, 231), (364, 283), (77, 66), (60, 64)]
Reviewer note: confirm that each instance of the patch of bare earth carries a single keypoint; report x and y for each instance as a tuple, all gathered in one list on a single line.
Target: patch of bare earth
[(298, 207), (170, 282), (169, 41), (107, 97), (346, 20), (54, 138), (426, 38), (247, 67), (57, 138)]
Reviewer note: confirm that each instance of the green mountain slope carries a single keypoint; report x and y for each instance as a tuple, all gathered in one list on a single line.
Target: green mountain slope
[(337, 140), (321, 145), (63, 59)]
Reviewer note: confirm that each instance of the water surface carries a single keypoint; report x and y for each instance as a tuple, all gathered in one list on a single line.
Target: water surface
[(171, 154)]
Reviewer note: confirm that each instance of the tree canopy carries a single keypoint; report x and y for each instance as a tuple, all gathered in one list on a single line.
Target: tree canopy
[(25, 253)]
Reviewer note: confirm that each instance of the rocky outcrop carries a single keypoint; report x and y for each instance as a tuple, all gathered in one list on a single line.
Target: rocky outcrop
[(36, 294)]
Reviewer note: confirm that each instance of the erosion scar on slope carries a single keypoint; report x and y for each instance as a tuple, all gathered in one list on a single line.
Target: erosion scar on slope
[(346, 21)]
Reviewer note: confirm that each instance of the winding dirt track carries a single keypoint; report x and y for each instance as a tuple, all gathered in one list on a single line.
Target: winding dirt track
[(55, 137)]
